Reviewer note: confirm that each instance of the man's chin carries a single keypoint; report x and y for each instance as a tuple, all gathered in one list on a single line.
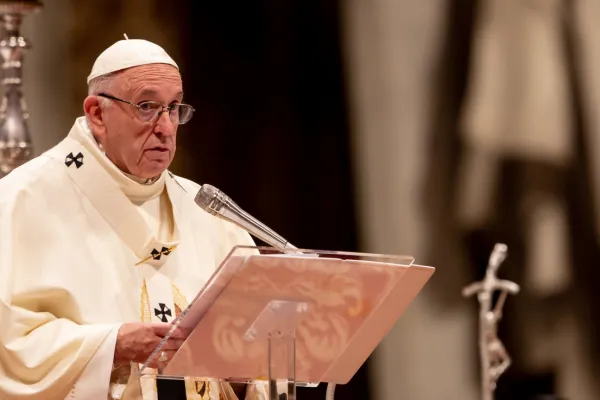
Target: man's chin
[(152, 171)]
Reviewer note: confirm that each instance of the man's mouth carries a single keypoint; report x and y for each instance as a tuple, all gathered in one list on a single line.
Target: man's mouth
[(159, 148)]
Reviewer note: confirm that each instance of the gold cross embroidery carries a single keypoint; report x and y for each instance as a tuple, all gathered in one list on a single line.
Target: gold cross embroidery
[(164, 252)]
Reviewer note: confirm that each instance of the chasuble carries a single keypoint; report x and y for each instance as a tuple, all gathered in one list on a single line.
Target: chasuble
[(85, 248)]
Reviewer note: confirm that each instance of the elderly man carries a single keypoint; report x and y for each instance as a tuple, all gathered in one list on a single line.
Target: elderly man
[(101, 246)]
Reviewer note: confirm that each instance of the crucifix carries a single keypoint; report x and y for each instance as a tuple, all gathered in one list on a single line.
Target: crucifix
[(494, 357)]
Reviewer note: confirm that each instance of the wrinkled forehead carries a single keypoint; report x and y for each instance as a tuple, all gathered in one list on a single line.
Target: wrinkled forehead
[(162, 81)]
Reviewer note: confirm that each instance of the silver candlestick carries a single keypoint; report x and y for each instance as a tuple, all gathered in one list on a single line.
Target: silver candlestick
[(15, 141), (494, 358)]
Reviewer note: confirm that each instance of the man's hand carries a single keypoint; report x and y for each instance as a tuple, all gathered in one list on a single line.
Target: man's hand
[(137, 340)]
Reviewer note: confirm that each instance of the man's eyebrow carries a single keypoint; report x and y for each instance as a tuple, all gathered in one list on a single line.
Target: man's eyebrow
[(147, 92), (152, 93)]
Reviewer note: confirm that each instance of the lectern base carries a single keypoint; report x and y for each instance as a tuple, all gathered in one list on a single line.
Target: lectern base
[(277, 322)]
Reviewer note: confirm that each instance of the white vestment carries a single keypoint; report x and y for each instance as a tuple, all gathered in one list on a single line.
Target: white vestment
[(80, 255)]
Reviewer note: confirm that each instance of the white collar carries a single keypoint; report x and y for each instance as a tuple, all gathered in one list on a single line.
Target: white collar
[(135, 188)]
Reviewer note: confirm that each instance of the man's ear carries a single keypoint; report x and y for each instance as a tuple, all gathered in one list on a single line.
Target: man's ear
[(93, 112)]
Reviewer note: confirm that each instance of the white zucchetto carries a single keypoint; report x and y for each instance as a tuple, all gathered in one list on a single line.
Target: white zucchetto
[(129, 53)]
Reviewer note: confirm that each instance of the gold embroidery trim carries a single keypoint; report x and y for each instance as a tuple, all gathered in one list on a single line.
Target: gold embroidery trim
[(145, 304), (178, 298)]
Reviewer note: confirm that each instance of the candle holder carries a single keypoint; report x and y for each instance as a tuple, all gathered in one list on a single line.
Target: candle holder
[(15, 141), (493, 356)]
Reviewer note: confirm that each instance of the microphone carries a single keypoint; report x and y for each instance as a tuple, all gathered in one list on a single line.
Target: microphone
[(217, 203)]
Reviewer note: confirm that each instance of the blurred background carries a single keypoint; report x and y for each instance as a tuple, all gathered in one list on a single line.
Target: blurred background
[(431, 128)]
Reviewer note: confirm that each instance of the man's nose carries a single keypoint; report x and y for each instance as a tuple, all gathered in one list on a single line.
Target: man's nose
[(164, 125)]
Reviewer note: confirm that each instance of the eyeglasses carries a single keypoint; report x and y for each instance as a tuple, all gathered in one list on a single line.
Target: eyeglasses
[(150, 111)]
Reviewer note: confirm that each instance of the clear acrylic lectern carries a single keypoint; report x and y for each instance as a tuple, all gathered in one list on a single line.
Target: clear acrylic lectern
[(291, 317)]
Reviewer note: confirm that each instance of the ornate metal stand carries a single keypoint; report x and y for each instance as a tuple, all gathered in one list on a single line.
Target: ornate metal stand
[(494, 358), (15, 141)]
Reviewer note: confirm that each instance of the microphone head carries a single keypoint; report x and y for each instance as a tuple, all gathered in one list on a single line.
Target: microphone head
[(212, 200), (206, 195)]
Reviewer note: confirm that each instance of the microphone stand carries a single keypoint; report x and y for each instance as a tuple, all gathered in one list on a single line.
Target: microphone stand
[(493, 356)]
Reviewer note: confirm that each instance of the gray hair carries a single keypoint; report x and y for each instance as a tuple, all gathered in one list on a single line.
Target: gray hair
[(102, 84)]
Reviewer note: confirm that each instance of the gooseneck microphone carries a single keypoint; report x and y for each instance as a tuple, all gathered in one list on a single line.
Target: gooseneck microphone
[(217, 203)]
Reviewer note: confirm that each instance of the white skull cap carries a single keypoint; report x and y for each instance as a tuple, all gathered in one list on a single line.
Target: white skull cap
[(129, 53)]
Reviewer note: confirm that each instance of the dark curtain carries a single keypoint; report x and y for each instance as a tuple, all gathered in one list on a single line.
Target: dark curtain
[(270, 127)]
